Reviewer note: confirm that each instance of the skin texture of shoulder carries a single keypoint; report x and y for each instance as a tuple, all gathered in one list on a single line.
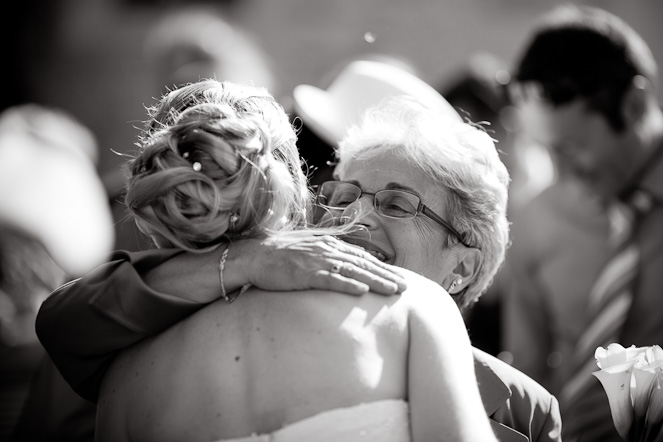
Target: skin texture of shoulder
[(231, 366), (257, 365)]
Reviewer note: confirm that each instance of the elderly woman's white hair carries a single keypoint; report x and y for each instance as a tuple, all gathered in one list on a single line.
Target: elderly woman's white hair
[(459, 157)]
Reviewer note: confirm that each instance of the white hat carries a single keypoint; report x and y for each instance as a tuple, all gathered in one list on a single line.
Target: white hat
[(360, 85), (50, 189)]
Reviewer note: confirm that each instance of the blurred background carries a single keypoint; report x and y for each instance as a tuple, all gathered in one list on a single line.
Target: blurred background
[(103, 60), (88, 68)]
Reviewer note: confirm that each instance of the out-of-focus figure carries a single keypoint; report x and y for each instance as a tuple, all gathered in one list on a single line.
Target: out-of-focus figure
[(189, 43), (49, 187), (27, 275), (55, 224), (586, 84), (559, 240)]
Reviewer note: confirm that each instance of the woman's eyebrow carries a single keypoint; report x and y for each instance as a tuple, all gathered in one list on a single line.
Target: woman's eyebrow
[(390, 186), (398, 186)]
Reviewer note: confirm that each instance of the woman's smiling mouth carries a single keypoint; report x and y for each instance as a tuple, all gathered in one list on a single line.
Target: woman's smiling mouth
[(367, 246)]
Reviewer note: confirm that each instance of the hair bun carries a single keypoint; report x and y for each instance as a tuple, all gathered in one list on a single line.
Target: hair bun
[(218, 149), (253, 144)]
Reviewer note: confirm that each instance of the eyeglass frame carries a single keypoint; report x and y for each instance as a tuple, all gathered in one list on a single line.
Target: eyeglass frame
[(421, 208)]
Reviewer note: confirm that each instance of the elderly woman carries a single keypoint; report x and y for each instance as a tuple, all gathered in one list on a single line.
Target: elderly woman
[(398, 172), (429, 194)]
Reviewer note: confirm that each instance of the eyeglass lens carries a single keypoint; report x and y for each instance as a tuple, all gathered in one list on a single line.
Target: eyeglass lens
[(391, 203)]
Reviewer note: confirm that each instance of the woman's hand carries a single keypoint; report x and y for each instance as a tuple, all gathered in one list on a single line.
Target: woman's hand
[(314, 262)]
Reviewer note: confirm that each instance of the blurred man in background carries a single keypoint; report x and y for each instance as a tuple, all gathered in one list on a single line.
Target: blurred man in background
[(586, 84)]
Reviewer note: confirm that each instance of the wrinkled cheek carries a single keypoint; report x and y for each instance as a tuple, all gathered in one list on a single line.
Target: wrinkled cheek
[(439, 260), (419, 248), (426, 259)]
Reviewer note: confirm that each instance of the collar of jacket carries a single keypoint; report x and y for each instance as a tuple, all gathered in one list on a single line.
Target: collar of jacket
[(494, 394)]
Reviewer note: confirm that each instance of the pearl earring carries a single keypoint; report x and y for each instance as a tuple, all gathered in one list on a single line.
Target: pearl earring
[(455, 283)]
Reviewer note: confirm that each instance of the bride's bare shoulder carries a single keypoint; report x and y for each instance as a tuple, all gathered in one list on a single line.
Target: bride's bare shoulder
[(417, 282), (424, 293)]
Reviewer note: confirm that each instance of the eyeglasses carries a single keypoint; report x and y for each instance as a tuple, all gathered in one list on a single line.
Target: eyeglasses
[(390, 203)]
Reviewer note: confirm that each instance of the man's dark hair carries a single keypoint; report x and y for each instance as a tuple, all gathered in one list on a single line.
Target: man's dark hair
[(587, 53)]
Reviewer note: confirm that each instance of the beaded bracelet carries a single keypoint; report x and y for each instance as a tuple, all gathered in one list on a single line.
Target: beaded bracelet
[(222, 265)]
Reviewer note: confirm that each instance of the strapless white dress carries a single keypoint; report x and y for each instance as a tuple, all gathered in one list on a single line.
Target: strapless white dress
[(385, 421)]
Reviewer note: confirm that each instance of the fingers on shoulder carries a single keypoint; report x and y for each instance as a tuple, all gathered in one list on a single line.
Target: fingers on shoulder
[(336, 282)]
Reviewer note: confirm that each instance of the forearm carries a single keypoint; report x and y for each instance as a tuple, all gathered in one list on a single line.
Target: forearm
[(84, 324), (196, 276), (280, 262)]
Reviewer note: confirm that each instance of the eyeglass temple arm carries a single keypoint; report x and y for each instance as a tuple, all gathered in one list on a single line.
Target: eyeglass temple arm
[(426, 211)]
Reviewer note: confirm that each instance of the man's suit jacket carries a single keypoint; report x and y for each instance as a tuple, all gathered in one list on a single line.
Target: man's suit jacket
[(86, 322), (519, 408)]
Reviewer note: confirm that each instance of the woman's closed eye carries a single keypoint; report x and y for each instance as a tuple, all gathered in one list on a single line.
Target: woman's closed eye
[(397, 206), (343, 199)]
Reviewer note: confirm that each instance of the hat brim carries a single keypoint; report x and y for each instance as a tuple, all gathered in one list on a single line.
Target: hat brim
[(319, 111)]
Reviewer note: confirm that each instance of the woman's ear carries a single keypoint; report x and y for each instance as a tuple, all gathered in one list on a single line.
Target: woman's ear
[(469, 262)]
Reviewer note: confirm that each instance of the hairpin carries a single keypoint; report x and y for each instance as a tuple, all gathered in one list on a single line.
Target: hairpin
[(197, 166), (234, 218)]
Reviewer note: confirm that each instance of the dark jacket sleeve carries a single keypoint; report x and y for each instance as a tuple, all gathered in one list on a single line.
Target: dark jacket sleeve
[(85, 323)]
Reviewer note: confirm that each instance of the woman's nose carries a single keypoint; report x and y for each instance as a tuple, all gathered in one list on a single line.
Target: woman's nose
[(360, 211)]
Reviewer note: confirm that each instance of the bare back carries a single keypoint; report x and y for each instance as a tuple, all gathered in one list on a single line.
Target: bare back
[(268, 359)]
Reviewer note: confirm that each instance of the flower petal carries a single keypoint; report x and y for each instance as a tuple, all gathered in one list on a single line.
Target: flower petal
[(618, 389), (640, 395), (615, 355), (607, 357), (654, 356), (620, 368)]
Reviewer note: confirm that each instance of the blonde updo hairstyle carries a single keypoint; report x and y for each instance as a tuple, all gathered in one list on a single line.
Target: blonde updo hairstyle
[(217, 161)]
